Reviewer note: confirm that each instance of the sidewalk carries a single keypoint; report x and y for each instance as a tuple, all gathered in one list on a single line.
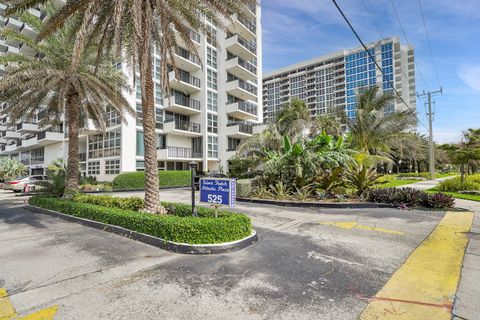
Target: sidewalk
[(467, 300)]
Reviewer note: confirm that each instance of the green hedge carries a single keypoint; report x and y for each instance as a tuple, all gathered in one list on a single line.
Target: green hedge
[(136, 180), (472, 183), (178, 227)]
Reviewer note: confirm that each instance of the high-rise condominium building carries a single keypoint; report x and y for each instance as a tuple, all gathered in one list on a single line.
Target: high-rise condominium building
[(330, 83), (213, 104)]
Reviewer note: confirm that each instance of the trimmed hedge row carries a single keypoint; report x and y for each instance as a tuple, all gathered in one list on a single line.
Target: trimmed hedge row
[(411, 197), (179, 227), (472, 183), (136, 180)]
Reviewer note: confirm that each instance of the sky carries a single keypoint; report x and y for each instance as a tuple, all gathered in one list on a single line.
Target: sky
[(297, 30)]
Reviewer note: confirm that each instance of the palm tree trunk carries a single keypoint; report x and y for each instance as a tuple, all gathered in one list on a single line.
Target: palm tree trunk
[(73, 118), (152, 192)]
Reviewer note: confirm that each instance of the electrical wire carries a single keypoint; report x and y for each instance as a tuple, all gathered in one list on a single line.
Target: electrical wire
[(408, 43), (373, 59), (429, 43)]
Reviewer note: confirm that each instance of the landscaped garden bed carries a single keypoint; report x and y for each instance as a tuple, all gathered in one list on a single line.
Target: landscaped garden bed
[(178, 226)]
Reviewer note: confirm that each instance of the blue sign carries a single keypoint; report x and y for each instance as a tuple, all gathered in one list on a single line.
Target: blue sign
[(218, 191)]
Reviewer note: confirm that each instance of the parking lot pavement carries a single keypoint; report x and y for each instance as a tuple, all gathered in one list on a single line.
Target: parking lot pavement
[(308, 264)]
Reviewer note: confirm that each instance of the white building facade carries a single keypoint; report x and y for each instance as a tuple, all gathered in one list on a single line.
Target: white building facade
[(330, 83), (214, 104)]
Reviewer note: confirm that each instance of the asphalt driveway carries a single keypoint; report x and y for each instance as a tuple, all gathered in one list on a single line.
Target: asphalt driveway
[(308, 264)]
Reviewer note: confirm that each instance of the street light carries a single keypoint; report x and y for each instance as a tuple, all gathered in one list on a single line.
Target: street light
[(193, 166)]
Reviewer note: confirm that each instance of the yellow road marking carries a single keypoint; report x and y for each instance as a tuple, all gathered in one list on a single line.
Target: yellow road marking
[(6, 308), (45, 314), (7, 311), (425, 285), (355, 225)]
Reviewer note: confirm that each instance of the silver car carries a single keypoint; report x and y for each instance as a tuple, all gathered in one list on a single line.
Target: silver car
[(18, 184)]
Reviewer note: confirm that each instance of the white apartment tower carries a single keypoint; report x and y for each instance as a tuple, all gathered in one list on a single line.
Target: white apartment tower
[(330, 83), (215, 101)]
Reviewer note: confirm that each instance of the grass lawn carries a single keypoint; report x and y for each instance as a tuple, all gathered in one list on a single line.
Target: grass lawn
[(456, 195), (444, 175), (395, 183)]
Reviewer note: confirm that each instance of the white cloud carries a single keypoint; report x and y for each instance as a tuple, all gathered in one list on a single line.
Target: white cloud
[(470, 75), (447, 136)]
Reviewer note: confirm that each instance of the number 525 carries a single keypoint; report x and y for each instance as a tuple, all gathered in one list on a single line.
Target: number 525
[(213, 198)]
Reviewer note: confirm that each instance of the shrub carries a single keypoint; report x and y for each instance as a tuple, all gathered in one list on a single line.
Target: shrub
[(410, 197), (136, 180), (425, 175), (242, 168), (180, 227), (455, 184), (130, 204), (246, 187)]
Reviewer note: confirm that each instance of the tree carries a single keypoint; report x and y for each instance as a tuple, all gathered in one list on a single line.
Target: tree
[(137, 27), (373, 130), (294, 118), (61, 80), (10, 169)]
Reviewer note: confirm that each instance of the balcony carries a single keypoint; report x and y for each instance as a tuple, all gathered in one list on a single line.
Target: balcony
[(183, 82), (241, 47), (195, 37), (239, 130), (182, 128), (241, 68), (179, 153), (11, 147), (250, 11), (88, 128), (9, 134), (186, 60), (243, 110), (181, 104), (240, 25), (30, 141), (50, 136), (241, 89), (13, 24), (25, 127)]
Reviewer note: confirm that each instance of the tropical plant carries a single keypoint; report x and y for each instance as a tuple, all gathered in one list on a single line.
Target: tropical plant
[(138, 27), (61, 78), (373, 130), (362, 176), (294, 118), (10, 169)]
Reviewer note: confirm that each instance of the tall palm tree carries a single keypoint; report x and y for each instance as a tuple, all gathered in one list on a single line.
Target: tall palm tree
[(293, 118), (137, 26), (48, 80), (373, 130)]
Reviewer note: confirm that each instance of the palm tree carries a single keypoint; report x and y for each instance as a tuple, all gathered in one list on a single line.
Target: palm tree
[(293, 118), (258, 144), (49, 81), (373, 130), (137, 27), (328, 123)]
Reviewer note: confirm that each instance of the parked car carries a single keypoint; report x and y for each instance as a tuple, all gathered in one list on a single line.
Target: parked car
[(18, 184), (201, 174)]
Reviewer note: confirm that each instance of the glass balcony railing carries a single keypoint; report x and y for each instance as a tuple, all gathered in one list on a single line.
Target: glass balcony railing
[(185, 153), (187, 102)]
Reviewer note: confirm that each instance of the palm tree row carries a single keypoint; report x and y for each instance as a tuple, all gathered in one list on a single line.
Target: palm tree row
[(132, 29)]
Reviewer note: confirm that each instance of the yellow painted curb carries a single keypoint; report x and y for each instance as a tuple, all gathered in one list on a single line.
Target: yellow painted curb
[(425, 285), (354, 225), (7, 311)]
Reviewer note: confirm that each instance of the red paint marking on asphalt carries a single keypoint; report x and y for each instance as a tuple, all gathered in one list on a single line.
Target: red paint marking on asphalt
[(359, 295)]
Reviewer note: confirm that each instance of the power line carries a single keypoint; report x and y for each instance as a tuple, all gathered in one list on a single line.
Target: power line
[(373, 59), (429, 42), (408, 42), (369, 9)]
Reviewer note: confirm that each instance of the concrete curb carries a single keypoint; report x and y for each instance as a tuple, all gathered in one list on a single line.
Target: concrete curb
[(332, 205), (184, 248), (29, 194)]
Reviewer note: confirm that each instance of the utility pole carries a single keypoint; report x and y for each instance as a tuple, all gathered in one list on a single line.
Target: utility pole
[(430, 116)]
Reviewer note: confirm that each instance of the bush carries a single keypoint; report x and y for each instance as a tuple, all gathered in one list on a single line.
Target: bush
[(136, 180), (242, 168), (425, 175), (410, 197), (130, 204), (180, 227), (246, 187), (472, 183)]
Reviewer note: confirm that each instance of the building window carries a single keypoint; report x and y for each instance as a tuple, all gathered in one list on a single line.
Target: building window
[(158, 95), (211, 101), (112, 117), (233, 144), (212, 123), (37, 156), (112, 166), (212, 57), (211, 35), (93, 168), (104, 145), (212, 79), (212, 147)]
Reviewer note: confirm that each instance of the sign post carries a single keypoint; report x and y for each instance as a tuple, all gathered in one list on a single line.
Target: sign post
[(218, 191)]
